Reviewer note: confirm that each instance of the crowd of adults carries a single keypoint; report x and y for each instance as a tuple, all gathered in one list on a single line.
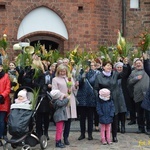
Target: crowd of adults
[(128, 84)]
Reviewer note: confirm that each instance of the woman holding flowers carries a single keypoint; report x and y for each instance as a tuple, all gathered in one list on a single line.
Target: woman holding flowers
[(64, 82)]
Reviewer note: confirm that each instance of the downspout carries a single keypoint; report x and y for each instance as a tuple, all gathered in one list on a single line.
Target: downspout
[(123, 18)]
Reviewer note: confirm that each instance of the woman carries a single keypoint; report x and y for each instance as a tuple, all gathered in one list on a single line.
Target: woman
[(87, 101), (13, 75), (42, 82), (108, 79), (60, 82), (124, 94), (4, 100)]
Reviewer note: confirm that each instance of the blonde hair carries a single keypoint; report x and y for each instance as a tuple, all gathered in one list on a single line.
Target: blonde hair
[(61, 67)]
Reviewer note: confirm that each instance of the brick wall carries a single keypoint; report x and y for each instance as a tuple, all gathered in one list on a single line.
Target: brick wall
[(137, 20), (89, 23)]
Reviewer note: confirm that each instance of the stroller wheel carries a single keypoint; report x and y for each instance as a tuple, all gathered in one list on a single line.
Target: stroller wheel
[(7, 147), (26, 147), (13, 145), (43, 142)]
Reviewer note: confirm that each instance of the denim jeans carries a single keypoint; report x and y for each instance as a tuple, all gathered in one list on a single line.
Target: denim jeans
[(2, 123)]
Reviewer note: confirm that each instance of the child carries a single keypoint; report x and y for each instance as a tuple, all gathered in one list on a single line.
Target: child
[(105, 110), (60, 115), (22, 97)]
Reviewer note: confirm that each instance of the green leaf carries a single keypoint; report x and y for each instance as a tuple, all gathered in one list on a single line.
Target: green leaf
[(35, 97)]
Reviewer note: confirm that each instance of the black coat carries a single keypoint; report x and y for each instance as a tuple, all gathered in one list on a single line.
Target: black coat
[(125, 88), (26, 77), (45, 104)]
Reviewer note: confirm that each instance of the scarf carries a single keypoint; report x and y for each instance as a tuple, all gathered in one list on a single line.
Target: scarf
[(108, 74), (2, 73)]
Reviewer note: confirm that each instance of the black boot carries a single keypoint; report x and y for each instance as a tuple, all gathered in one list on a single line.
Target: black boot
[(115, 139), (132, 122), (118, 129), (82, 136), (66, 141), (46, 134), (122, 128), (123, 118), (141, 130), (59, 144), (90, 136)]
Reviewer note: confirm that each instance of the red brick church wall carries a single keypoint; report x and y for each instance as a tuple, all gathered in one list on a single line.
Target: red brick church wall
[(137, 20), (89, 23)]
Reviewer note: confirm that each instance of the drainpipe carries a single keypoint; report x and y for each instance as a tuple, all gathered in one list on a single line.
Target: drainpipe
[(123, 18)]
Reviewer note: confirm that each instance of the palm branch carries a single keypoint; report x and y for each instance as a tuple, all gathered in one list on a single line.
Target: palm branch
[(35, 97)]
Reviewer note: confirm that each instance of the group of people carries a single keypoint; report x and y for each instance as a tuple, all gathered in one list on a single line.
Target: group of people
[(101, 92)]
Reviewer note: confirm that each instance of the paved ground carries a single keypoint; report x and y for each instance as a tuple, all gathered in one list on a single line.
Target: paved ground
[(128, 141)]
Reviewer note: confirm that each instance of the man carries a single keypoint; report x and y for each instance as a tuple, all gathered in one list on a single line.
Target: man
[(140, 82)]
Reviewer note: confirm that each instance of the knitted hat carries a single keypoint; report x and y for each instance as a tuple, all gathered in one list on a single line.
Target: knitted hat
[(23, 93), (135, 59), (118, 64), (104, 94), (55, 94)]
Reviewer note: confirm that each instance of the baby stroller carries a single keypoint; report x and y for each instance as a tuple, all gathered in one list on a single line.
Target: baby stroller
[(21, 125)]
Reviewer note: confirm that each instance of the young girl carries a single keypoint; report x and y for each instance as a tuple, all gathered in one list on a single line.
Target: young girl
[(106, 111), (60, 115)]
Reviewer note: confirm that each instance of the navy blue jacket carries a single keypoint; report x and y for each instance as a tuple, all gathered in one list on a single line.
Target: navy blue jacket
[(85, 95), (146, 101), (106, 111)]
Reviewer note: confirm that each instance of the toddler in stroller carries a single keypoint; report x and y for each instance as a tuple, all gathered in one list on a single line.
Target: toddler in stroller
[(21, 122)]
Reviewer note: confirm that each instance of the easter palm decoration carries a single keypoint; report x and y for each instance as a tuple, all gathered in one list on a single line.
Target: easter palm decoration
[(123, 47)]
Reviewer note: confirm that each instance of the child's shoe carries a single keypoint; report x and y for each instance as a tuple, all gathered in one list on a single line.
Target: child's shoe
[(109, 142), (60, 144), (103, 141)]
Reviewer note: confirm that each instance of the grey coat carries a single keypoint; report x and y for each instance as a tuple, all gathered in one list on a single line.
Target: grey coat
[(111, 82), (60, 113), (139, 86)]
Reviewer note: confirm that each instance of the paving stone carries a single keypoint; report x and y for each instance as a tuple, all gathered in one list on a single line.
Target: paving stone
[(128, 141)]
